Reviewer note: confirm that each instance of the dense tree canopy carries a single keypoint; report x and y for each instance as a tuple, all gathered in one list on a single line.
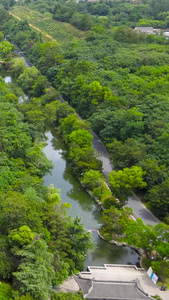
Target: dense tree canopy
[(40, 245), (114, 78)]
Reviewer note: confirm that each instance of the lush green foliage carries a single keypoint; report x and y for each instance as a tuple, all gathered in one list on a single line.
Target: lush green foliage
[(40, 245), (124, 181), (84, 14), (115, 222), (114, 77)]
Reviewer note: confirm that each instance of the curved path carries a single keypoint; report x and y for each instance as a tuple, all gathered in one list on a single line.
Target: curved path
[(139, 209)]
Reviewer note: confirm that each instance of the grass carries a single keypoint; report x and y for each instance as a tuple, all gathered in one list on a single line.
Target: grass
[(165, 284), (62, 32)]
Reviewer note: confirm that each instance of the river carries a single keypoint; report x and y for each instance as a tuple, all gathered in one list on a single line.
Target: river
[(82, 204)]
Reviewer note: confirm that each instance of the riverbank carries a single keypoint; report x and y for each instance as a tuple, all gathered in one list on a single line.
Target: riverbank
[(122, 244), (83, 206), (139, 209)]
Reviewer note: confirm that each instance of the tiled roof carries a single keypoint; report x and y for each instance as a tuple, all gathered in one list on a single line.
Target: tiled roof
[(110, 290), (84, 284), (116, 290)]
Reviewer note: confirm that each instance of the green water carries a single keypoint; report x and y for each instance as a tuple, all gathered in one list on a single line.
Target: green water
[(83, 206), (81, 203)]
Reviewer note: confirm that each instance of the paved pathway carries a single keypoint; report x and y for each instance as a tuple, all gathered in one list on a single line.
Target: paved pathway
[(141, 211)]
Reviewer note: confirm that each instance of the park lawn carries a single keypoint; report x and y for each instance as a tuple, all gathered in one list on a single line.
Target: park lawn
[(62, 32)]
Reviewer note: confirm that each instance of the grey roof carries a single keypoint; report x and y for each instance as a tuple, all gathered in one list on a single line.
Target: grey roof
[(110, 290), (114, 290), (145, 27), (84, 284)]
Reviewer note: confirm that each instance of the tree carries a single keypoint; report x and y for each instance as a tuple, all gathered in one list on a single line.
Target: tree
[(155, 172), (86, 22), (37, 161), (127, 35), (80, 138), (17, 211), (126, 154), (114, 222), (79, 242), (67, 296), (39, 86), (66, 125), (5, 50), (91, 179), (5, 261), (161, 268), (162, 241), (98, 93), (50, 55), (141, 236), (83, 160), (123, 124), (50, 113), (123, 181), (157, 198), (21, 236), (53, 194), (5, 291), (63, 110), (32, 82), (4, 15), (34, 113), (35, 273)]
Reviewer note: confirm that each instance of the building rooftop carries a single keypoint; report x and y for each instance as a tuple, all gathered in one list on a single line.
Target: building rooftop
[(114, 282), (122, 290)]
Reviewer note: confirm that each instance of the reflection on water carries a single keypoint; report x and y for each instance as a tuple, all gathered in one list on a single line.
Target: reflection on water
[(7, 79), (62, 177), (81, 203), (83, 206), (106, 253)]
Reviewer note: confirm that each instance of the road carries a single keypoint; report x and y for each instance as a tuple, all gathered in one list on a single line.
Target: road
[(141, 211)]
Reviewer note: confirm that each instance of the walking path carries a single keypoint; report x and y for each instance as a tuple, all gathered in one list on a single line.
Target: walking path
[(141, 211), (34, 27)]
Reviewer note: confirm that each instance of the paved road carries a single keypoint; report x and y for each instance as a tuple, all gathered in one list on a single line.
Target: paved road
[(141, 211), (104, 157)]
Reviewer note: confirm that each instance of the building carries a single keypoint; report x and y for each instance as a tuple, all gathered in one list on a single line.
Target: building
[(114, 282), (147, 30), (99, 283), (111, 290)]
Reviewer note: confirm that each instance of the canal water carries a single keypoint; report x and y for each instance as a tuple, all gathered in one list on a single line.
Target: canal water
[(82, 204)]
